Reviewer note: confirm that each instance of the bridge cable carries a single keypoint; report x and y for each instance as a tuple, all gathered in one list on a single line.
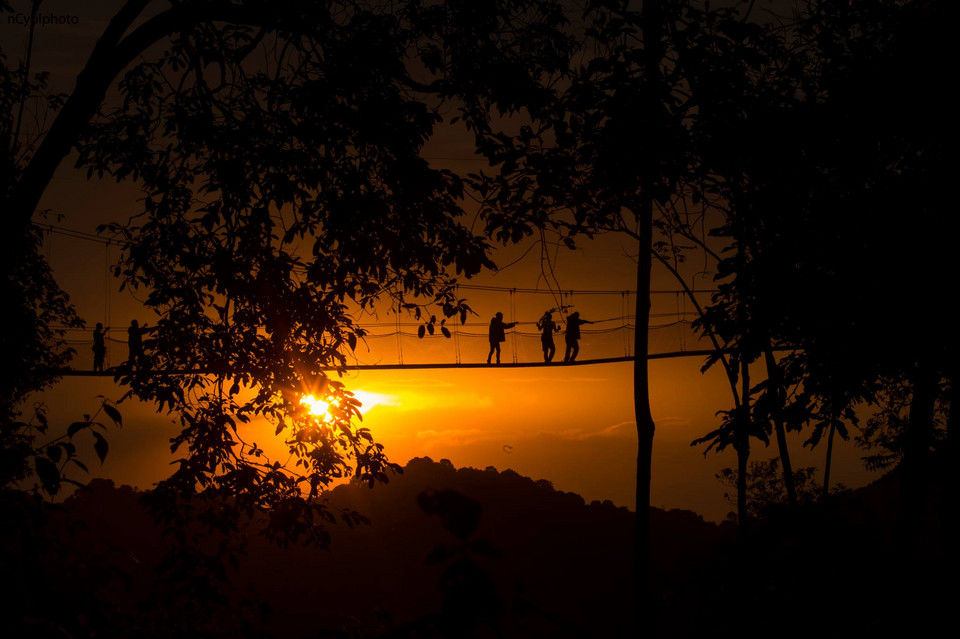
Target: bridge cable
[(399, 336), (513, 319), (456, 326)]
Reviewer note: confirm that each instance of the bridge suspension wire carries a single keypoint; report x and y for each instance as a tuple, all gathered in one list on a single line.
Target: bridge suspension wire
[(75, 234), (679, 305), (456, 328), (623, 320), (586, 291), (610, 334), (106, 296), (90, 237), (399, 337), (513, 320), (470, 342), (118, 372)]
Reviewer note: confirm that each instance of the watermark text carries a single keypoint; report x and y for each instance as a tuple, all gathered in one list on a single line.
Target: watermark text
[(42, 19)]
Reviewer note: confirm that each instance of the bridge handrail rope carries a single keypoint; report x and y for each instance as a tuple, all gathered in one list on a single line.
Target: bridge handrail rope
[(456, 327), (399, 340), (415, 324), (120, 371), (540, 291), (461, 333), (623, 317), (513, 319), (466, 337)]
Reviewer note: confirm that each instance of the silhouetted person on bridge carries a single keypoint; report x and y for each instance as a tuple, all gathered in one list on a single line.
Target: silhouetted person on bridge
[(135, 343), (99, 346), (497, 335), (547, 327), (572, 336)]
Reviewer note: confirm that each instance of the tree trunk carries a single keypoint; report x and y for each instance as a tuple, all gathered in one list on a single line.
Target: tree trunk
[(116, 48), (651, 23), (775, 378), (641, 407), (742, 445), (952, 481), (916, 456), (827, 463), (104, 64)]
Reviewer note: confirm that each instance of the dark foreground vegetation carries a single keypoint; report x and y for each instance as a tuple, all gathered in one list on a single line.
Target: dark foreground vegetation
[(464, 552), (795, 151)]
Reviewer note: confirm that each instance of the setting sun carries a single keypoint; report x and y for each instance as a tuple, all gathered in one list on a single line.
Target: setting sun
[(317, 407), (321, 407)]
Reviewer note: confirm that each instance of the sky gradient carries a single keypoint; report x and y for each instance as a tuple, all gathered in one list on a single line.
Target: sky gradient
[(571, 425)]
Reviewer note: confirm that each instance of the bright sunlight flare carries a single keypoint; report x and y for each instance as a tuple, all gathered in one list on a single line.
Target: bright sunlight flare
[(321, 407), (317, 407)]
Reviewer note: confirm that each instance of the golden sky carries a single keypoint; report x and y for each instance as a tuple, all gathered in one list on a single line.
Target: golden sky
[(571, 425)]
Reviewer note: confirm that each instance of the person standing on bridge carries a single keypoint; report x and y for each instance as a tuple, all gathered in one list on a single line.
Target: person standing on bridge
[(135, 343), (547, 327), (572, 336), (99, 346), (497, 335)]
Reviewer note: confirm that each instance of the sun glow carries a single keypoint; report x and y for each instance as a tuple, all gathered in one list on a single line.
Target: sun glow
[(317, 407), (368, 400), (321, 407)]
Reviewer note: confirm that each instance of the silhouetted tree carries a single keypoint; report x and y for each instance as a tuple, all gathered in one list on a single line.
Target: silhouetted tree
[(745, 80), (876, 217), (599, 148), (37, 311), (278, 148), (891, 175), (884, 433), (766, 487), (812, 176)]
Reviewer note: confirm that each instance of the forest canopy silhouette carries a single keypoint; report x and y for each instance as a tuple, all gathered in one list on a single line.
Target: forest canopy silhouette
[(280, 153)]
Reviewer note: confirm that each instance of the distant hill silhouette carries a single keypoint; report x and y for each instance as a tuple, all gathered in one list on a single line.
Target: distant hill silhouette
[(563, 566), (506, 556)]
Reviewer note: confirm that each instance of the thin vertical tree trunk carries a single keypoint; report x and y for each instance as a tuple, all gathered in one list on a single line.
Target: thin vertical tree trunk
[(828, 463), (916, 456), (641, 407), (743, 444), (952, 481), (651, 24), (775, 377)]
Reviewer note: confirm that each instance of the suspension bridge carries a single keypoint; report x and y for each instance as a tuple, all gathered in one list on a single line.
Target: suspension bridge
[(394, 340)]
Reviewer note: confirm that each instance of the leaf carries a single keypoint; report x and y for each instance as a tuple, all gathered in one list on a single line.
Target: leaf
[(100, 446), (445, 331), (430, 328), (76, 427), (113, 414), (48, 474), (421, 331), (54, 452)]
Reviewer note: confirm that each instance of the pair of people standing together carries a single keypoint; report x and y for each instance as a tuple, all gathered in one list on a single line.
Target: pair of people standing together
[(547, 328), (134, 343)]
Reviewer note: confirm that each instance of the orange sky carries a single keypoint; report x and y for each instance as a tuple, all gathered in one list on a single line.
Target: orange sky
[(571, 425)]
